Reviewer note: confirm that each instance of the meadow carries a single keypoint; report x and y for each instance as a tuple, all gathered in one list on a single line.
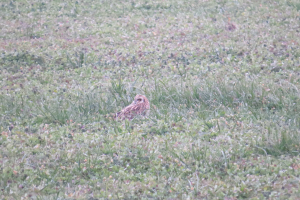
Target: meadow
[(222, 77)]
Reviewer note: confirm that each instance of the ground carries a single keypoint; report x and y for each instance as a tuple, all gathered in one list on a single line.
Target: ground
[(222, 78)]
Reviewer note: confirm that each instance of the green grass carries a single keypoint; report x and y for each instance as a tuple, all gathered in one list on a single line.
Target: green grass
[(222, 78)]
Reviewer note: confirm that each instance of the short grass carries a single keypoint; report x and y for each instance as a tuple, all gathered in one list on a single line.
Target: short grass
[(222, 78)]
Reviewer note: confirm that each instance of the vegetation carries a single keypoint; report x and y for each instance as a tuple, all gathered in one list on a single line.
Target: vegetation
[(222, 77)]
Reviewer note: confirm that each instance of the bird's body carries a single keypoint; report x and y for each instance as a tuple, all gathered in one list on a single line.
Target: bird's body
[(140, 106)]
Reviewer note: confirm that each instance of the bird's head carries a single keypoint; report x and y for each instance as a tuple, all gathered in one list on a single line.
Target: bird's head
[(139, 99)]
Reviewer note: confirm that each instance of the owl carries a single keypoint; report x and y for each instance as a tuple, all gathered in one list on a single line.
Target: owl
[(140, 106)]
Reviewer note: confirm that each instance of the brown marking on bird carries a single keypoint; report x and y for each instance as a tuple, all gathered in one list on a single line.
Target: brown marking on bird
[(139, 106)]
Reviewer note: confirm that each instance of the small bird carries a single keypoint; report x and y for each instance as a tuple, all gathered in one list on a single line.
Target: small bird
[(139, 106)]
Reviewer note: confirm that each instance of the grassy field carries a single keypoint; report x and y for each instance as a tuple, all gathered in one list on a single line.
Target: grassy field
[(222, 77)]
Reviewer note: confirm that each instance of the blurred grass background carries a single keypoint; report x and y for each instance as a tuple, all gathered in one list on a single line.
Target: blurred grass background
[(222, 78)]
